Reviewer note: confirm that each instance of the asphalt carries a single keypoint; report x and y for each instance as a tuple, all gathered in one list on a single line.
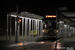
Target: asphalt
[(70, 41)]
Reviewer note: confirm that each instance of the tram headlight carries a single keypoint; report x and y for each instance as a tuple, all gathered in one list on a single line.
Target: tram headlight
[(57, 31), (42, 30)]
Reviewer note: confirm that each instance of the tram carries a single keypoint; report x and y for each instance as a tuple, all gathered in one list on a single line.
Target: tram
[(49, 26)]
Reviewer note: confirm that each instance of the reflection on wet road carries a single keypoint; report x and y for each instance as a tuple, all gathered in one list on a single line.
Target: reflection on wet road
[(34, 46), (42, 44), (39, 44)]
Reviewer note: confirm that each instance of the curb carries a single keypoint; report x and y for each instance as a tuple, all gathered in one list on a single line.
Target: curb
[(60, 39)]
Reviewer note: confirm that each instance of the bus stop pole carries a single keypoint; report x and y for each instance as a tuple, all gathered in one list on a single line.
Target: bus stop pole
[(56, 28), (16, 39), (7, 26)]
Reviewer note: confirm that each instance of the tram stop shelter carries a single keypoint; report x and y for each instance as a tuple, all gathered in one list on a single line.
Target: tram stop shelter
[(67, 24), (29, 23)]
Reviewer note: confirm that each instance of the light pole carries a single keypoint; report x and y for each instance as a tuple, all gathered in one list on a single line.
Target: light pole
[(16, 30), (7, 26), (57, 15)]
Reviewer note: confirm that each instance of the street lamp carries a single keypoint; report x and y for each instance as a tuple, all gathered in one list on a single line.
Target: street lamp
[(57, 15), (20, 20)]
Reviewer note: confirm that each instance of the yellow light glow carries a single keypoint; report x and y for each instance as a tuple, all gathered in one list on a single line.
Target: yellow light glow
[(54, 16), (43, 31), (50, 16), (57, 31), (19, 20)]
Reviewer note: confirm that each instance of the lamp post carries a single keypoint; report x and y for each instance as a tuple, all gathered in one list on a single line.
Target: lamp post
[(7, 26), (16, 30), (56, 27), (57, 15)]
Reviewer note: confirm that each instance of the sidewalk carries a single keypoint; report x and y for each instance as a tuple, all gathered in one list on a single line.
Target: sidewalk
[(68, 42), (20, 39)]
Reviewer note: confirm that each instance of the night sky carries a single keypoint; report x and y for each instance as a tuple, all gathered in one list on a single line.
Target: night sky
[(40, 8)]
